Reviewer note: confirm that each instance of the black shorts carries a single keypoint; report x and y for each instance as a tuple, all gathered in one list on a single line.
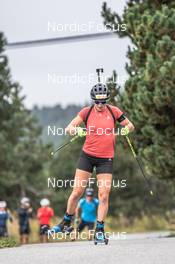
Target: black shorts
[(83, 224), (43, 229), (102, 165), (24, 229)]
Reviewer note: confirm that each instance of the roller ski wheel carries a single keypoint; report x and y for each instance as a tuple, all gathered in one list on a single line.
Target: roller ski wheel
[(101, 238)]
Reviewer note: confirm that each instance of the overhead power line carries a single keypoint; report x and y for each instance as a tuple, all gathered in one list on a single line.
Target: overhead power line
[(59, 40)]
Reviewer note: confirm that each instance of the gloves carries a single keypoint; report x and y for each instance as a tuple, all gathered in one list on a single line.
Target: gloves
[(125, 131), (81, 132)]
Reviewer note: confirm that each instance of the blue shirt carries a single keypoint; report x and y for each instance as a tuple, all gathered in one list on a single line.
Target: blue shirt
[(88, 209)]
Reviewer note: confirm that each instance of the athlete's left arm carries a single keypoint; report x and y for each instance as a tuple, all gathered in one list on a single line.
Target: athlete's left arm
[(127, 123)]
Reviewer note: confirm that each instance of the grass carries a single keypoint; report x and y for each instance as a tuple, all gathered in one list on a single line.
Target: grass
[(143, 224)]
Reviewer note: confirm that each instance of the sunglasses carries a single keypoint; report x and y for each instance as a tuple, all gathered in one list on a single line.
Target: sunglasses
[(100, 102)]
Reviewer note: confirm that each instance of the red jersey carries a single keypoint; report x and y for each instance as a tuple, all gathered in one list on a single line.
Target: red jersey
[(44, 214), (100, 138)]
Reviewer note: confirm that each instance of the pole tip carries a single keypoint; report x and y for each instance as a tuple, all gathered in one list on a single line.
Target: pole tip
[(151, 192)]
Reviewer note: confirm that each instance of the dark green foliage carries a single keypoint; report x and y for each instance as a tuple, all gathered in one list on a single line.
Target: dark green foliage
[(149, 97)]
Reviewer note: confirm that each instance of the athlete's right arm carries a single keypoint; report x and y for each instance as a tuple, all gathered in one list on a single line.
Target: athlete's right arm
[(71, 128)]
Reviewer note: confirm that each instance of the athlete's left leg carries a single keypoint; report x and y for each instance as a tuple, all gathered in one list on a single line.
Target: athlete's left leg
[(104, 187)]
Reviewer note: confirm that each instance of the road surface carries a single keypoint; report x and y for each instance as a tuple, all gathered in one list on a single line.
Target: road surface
[(151, 248)]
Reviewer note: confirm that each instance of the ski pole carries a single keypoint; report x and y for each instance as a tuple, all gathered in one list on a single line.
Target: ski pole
[(64, 145), (140, 165)]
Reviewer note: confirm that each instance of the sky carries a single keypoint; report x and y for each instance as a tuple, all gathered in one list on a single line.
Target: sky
[(64, 73)]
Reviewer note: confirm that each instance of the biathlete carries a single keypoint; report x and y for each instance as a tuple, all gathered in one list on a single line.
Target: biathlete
[(98, 151)]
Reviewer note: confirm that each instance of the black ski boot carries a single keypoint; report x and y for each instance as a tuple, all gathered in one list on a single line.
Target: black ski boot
[(100, 236)]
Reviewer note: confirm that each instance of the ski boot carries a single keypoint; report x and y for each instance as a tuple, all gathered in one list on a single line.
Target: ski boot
[(63, 227), (100, 236)]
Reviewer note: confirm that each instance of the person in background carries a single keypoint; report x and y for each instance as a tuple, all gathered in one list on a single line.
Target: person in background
[(24, 214), (44, 215), (88, 207), (4, 216)]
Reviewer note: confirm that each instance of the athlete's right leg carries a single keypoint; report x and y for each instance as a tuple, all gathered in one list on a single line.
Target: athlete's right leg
[(80, 183)]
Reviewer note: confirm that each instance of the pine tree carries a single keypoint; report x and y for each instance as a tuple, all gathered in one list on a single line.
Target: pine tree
[(22, 155), (149, 97)]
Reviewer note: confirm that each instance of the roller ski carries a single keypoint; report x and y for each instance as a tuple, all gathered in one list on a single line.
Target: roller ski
[(100, 236)]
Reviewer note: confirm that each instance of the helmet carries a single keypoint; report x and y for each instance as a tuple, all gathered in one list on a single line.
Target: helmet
[(3, 204), (100, 92), (25, 200), (89, 192), (44, 202)]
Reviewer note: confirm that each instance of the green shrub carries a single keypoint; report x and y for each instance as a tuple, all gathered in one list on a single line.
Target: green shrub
[(7, 242)]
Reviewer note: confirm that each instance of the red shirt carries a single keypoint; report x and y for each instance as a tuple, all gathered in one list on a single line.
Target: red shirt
[(100, 138), (44, 214)]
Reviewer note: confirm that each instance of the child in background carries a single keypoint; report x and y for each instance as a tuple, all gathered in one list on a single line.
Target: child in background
[(24, 214), (4, 216), (44, 215)]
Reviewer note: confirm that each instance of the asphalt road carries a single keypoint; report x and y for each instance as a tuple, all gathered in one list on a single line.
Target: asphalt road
[(134, 249)]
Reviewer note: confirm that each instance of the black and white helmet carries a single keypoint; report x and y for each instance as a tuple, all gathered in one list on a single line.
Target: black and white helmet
[(89, 192), (100, 92)]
